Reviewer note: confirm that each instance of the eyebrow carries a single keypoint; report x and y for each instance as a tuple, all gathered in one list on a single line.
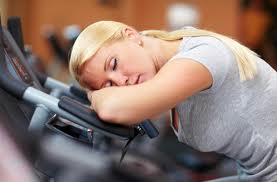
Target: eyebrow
[(105, 68), (106, 61)]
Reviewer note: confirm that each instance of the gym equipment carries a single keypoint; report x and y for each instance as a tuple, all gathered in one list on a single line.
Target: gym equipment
[(58, 89), (29, 89), (18, 79)]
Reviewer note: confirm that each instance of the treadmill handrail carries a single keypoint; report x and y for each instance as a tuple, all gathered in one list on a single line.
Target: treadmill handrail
[(21, 90), (85, 113), (7, 82)]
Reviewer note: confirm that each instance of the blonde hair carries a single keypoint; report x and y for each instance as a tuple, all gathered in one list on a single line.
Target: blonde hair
[(244, 56), (90, 41), (96, 35)]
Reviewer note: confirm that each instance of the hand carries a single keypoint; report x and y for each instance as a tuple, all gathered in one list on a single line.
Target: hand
[(89, 92), (99, 98), (90, 95)]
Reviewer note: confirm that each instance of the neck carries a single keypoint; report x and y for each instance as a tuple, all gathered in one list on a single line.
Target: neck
[(160, 50)]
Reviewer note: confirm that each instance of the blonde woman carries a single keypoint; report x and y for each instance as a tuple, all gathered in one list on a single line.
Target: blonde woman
[(222, 96)]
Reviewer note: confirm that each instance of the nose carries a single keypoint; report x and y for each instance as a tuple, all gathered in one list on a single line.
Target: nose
[(119, 79)]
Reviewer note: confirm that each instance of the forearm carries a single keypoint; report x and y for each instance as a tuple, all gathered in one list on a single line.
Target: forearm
[(132, 104)]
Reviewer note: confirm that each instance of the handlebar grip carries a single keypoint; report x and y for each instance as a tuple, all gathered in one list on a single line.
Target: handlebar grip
[(77, 91), (86, 114)]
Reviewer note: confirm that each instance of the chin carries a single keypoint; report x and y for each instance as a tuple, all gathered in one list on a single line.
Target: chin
[(141, 79), (144, 78)]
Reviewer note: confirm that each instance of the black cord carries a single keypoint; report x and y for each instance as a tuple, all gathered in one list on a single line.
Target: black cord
[(125, 148)]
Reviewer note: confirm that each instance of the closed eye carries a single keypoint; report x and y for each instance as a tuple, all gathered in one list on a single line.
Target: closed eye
[(114, 64)]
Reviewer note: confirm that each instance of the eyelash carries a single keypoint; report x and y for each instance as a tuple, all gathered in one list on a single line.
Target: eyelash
[(114, 64)]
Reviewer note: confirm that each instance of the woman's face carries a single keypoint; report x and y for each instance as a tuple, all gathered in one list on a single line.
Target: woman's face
[(121, 63)]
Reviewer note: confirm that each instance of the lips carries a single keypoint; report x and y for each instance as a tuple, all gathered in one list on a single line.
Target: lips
[(138, 80), (135, 80)]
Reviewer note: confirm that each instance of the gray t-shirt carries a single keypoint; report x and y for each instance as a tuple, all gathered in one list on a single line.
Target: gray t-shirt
[(234, 118)]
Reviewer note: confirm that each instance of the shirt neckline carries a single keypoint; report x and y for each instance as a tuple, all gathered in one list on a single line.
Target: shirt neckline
[(172, 120)]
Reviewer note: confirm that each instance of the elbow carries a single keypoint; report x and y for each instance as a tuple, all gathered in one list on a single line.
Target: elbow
[(111, 114), (108, 115)]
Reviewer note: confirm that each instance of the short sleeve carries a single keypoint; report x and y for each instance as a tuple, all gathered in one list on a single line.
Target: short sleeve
[(210, 52)]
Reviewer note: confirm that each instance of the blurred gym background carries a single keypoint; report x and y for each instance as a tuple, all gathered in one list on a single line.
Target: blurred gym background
[(51, 26), (249, 21)]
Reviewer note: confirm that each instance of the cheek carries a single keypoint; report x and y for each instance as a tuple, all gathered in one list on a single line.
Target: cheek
[(139, 64), (143, 59), (91, 80), (137, 61), (86, 82)]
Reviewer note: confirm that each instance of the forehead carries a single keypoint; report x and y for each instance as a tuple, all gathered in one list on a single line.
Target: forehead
[(92, 72), (105, 51)]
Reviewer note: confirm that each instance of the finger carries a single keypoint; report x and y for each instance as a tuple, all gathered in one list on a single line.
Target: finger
[(89, 94)]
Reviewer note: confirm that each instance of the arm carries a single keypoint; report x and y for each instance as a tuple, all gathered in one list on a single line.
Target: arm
[(175, 82)]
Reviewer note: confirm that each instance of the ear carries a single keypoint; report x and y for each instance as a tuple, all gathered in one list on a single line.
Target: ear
[(131, 34)]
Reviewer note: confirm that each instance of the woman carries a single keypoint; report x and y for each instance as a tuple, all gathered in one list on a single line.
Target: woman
[(221, 94)]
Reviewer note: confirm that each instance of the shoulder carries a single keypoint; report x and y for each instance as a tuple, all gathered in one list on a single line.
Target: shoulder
[(210, 52), (193, 42)]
